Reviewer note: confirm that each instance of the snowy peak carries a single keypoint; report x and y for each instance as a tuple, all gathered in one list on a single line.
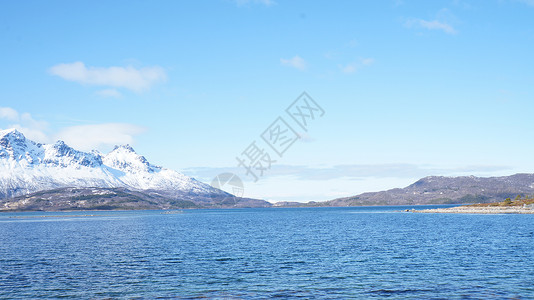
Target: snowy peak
[(124, 158), (60, 154), (13, 133), (14, 146), (26, 167), (125, 148)]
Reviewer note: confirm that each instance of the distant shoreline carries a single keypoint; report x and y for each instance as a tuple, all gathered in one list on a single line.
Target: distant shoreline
[(417, 208), (176, 210), (508, 206), (479, 210)]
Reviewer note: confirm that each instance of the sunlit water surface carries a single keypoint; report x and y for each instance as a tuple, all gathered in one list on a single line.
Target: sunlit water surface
[(365, 252)]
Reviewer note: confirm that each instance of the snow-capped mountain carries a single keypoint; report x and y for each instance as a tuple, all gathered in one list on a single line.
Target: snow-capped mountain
[(26, 167)]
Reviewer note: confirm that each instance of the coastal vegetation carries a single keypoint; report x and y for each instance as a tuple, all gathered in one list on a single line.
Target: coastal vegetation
[(519, 201)]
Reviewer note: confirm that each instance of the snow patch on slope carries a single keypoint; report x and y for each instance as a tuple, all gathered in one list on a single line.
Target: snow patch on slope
[(26, 167)]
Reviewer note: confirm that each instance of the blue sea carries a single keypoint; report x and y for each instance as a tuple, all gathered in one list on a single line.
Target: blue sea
[(285, 253)]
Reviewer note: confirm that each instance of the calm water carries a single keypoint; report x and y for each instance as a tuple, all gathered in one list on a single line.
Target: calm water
[(263, 253)]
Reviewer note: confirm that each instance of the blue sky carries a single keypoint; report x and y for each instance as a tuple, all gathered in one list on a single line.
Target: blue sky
[(409, 88)]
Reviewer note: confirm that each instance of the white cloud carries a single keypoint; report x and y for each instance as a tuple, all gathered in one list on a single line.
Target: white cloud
[(109, 93), (296, 62), (263, 2), (81, 137), (34, 134), (99, 136), (28, 120), (25, 123), (431, 25), (137, 80), (8, 113)]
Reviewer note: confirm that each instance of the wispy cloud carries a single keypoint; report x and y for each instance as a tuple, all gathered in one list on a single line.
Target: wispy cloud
[(130, 78), (349, 68), (24, 122), (430, 25), (350, 171), (354, 66), (296, 62), (82, 137), (305, 183), (9, 114)]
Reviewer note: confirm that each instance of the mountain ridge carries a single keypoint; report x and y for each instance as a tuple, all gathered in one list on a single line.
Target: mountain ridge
[(27, 167), (444, 190), (75, 198), (32, 175)]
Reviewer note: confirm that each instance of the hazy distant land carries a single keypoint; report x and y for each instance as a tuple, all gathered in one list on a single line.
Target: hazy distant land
[(56, 177), (508, 206), (429, 190)]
